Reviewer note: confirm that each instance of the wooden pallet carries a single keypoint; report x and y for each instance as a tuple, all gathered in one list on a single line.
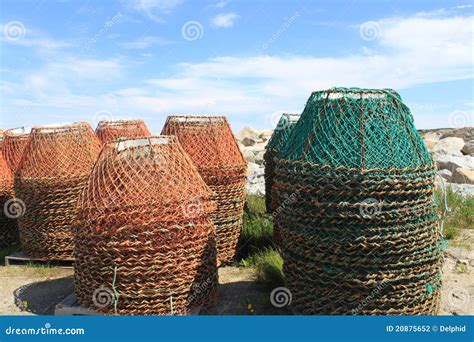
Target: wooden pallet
[(69, 306), (21, 259)]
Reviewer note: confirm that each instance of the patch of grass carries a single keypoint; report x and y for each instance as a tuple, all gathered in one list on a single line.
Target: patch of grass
[(256, 246), (461, 214), (8, 251), (257, 229), (268, 265)]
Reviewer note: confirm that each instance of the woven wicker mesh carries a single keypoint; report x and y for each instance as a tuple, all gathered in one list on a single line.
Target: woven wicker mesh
[(8, 214), (144, 239), (111, 130), (275, 144), (51, 174), (209, 142), (357, 222), (13, 145)]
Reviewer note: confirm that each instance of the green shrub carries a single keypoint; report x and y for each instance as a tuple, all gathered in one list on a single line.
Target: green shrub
[(257, 229), (268, 266), (461, 213)]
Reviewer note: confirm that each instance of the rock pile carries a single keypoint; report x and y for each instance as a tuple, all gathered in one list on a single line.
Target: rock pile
[(452, 148)]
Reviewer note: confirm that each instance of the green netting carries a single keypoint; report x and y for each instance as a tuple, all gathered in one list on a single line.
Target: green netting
[(357, 128), (275, 144), (355, 220)]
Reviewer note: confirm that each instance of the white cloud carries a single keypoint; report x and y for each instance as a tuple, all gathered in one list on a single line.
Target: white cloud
[(224, 20), (221, 3), (153, 9), (409, 52), (29, 38), (145, 42)]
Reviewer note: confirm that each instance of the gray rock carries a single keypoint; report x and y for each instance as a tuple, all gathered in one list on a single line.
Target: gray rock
[(463, 175), (446, 174), (468, 147), (247, 132), (247, 141), (465, 133), (451, 145), (431, 139), (259, 158), (249, 156), (451, 162), (265, 134), (462, 189)]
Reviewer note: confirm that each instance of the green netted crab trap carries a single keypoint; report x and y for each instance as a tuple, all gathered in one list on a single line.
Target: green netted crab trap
[(275, 144), (358, 226)]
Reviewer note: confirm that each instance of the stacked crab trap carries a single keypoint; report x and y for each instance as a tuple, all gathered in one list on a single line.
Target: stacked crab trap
[(10, 209), (13, 145), (275, 144), (50, 176), (140, 247), (209, 141), (362, 235), (111, 130)]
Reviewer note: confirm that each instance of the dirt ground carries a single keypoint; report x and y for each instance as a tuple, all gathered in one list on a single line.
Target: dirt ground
[(36, 290)]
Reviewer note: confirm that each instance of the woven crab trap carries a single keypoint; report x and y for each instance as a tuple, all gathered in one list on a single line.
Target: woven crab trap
[(13, 145), (209, 141), (275, 144), (10, 209), (111, 130), (145, 240), (361, 234), (51, 174)]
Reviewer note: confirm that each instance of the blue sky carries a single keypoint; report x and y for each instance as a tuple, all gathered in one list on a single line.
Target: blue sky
[(64, 61)]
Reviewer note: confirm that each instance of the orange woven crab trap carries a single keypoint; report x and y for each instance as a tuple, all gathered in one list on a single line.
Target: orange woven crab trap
[(209, 142), (145, 241), (13, 145), (111, 130), (10, 209), (49, 179)]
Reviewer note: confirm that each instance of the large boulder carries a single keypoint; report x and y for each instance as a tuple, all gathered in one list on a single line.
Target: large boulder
[(247, 141), (259, 158), (255, 179), (451, 162), (468, 147), (265, 134), (463, 175), (462, 189), (465, 133), (446, 174), (431, 139), (451, 146), (249, 156), (247, 132)]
